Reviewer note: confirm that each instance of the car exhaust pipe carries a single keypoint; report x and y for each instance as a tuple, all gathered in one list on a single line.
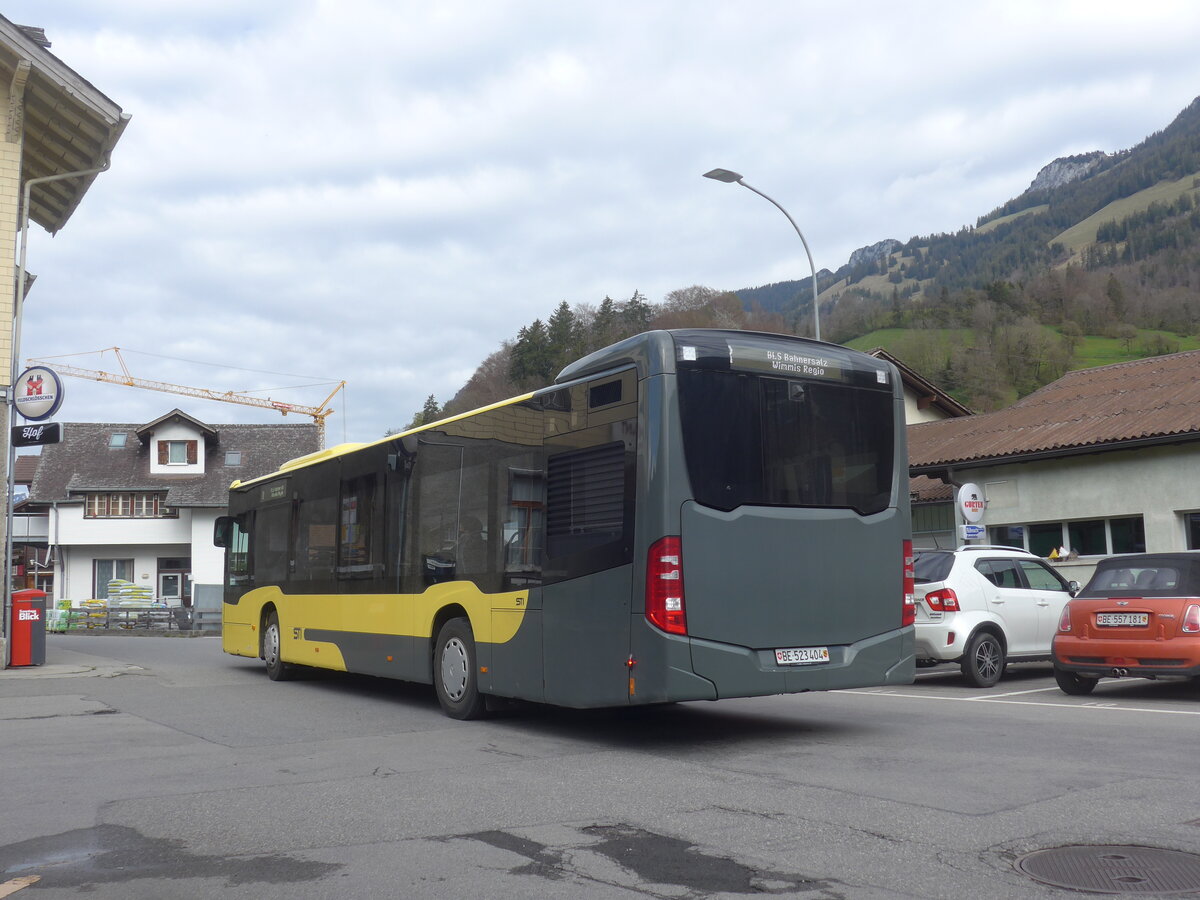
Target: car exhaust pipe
[(1119, 673)]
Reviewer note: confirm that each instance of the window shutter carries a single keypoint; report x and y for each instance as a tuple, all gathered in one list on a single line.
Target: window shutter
[(163, 459), (193, 448)]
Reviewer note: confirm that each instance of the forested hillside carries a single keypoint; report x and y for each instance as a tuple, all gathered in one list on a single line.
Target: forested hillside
[(1102, 247)]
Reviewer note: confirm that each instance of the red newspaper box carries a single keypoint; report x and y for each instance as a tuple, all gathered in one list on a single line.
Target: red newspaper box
[(27, 630)]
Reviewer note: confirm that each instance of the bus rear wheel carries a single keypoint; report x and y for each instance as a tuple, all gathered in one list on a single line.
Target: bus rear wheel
[(455, 673), (277, 669)]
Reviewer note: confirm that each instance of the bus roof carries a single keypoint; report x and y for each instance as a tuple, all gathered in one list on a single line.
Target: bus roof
[(309, 459), (652, 352)]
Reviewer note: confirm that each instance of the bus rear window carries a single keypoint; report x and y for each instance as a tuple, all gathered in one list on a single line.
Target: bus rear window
[(756, 440)]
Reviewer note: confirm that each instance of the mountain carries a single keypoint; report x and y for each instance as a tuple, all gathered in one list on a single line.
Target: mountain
[(1098, 261), (1132, 215)]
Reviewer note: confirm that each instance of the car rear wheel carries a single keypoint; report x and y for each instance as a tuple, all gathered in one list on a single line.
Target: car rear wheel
[(1073, 683), (983, 663)]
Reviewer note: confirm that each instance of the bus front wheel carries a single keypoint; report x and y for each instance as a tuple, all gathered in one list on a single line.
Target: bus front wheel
[(455, 671), (277, 669)]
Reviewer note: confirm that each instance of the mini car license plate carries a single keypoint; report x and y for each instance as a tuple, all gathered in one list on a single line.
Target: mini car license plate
[(1122, 618), (802, 656)]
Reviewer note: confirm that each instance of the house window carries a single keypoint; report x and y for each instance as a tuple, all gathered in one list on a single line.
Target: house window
[(1085, 537), (142, 506), (117, 439), (106, 570), (1192, 520), (178, 453), (233, 457)]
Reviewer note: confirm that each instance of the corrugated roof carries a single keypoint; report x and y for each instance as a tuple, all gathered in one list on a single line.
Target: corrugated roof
[(86, 462), (1148, 400)]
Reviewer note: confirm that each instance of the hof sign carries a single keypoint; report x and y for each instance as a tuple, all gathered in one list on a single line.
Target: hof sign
[(36, 435), (38, 393)]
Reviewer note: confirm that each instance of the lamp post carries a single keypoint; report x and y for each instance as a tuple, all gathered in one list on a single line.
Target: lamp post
[(734, 178)]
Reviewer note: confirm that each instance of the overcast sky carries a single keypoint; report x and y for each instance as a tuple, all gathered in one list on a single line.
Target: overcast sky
[(382, 192)]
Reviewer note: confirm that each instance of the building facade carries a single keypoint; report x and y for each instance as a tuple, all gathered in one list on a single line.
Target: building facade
[(137, 503), (1102, 461)]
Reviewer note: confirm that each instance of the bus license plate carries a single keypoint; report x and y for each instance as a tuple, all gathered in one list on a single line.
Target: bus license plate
[(802, 656), (1122, 618)]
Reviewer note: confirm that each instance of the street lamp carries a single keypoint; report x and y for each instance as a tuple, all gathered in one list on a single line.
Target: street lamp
[(733, 177)]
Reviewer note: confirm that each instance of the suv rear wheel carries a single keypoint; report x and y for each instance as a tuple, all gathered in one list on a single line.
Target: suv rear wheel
[(983, 663)]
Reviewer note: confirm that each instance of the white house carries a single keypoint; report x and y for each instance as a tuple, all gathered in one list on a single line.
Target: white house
[(138, 502), (1103, 461)]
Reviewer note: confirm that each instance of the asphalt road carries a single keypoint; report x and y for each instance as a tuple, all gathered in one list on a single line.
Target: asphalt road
[(155, 767)]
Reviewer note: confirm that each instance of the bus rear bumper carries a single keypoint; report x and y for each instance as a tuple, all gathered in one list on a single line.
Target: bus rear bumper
[(882, 659)]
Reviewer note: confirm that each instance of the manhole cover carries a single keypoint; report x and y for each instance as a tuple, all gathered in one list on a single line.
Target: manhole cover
[(1114, 870)]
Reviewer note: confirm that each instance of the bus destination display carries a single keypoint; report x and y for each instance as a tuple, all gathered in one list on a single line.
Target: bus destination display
[(783, 362)]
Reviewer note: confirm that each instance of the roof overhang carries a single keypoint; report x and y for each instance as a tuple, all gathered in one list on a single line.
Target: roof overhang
[(176, 417), (935, 470), (64, 123)]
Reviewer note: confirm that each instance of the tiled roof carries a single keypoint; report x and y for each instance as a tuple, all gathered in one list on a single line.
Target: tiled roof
[(924, 489), (24, 468), (1154, 400), (84, 461)]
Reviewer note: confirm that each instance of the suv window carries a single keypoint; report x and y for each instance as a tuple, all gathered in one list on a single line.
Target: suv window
[(932, 565), (1000, 572), (1040, 577)]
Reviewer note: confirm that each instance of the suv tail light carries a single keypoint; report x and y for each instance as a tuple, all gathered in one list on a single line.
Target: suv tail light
[(943, 600), (1064, 621), (909, 613), (1191, 620), (664, 586)]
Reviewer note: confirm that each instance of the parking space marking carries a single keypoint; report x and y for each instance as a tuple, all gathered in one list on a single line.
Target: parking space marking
[(1106, 705), (1014, 693)]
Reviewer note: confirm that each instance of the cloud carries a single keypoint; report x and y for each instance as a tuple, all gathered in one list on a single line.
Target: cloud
[(382, 192)]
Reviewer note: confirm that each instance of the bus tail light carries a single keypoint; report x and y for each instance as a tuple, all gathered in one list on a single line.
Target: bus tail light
[(944, 600), (1191, 620), (664, 586), (909, 614)]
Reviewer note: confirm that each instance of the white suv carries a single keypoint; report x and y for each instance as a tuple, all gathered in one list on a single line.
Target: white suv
[(983, 607)]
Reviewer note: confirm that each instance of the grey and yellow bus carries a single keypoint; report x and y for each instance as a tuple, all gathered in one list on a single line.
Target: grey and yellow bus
[(685, 515)]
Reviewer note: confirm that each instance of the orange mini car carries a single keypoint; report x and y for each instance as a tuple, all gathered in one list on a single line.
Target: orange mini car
[(1139, 616)]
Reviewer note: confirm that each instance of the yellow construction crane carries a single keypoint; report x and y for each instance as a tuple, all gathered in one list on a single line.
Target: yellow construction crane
[(319, 413)]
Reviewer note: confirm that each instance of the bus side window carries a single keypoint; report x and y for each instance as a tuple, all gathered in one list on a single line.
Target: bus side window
[(439, 480), (316, 528), (357, 538), (236, 541), (589, 508), (525, 521), (272, 543)]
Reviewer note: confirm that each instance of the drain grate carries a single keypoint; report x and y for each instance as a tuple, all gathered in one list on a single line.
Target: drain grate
[(1114, 870)]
